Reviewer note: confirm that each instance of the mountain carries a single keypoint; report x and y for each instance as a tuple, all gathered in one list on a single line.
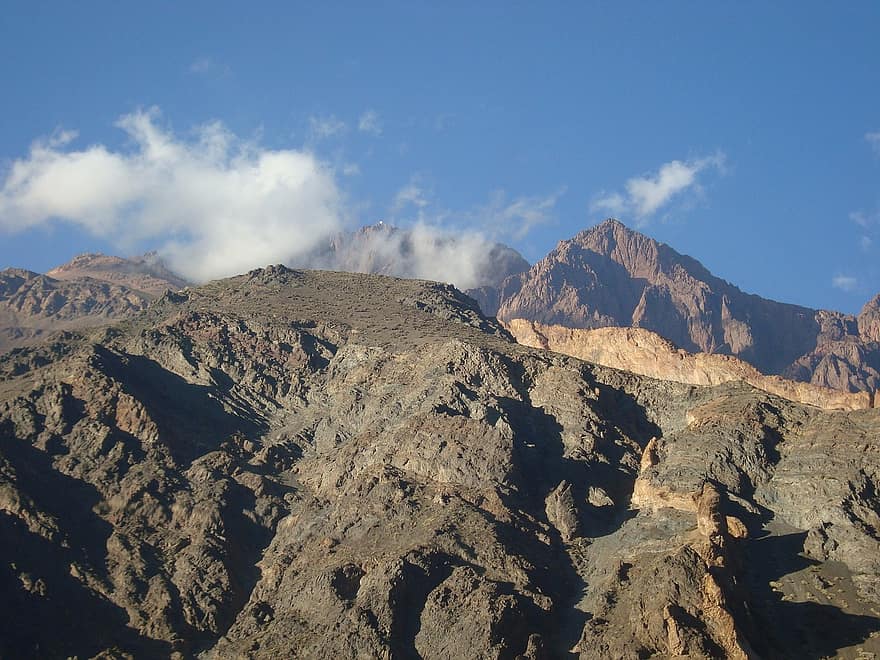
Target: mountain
[(147, 274), (33, 306), (329, 465), (90, 290), (611, 275)]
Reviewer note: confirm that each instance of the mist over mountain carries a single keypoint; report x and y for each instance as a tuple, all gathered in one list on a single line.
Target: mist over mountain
[(466, 259)]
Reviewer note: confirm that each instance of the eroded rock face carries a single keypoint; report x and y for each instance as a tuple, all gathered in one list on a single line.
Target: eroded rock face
[(646, 353), (869, 320), (299, 464)]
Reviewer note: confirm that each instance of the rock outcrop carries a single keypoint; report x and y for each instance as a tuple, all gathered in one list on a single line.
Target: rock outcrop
[(612, 276), (325, 465), (89, 291), (648, 354)]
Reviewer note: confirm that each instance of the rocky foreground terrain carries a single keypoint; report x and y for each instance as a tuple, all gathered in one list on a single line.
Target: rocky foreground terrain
[(612, 276), (323, 465)]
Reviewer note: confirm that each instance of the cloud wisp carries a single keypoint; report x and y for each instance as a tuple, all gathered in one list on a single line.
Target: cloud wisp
[(873, 139), (321, 128), (221, 204), (644, 196), (501, 218), (844, 283), (369, 122)]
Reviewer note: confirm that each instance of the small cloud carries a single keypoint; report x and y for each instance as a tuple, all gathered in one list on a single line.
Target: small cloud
[(866, 242), (205, 65), (646, 195), (873, 139), (201, 65), (861, 218), (369, 123), (351, 169), (412, 194), (518, 216), (443, 121), (844, 283), (321, 128)]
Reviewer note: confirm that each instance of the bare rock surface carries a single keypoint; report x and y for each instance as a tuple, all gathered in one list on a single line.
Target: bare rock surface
[(648, 354), (89, 291), (325, 465)]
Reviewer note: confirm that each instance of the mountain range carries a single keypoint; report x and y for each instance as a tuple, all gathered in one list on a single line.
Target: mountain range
[(606, 276), (315, 464)]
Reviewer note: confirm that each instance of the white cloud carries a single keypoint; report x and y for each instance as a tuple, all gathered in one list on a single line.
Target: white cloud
[(412, 194), (844, 282), (866, 242), (201, 65), (423, 250), (517, 217), (874, 140), (351, 169), (220, 204), (321, 128), (206, 65), (369, 123), (645, 195)]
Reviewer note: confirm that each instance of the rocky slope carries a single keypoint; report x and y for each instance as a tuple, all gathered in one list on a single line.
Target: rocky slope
[(648, 354), (90, 290), (612, 276), (323, 465), (33, 306)]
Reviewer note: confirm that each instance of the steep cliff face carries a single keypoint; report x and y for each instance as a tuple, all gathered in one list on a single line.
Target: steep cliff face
[(303, 464), (869, 320), (612, 276)]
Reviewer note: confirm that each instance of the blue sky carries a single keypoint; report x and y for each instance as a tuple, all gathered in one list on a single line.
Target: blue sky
[(744, 134)]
